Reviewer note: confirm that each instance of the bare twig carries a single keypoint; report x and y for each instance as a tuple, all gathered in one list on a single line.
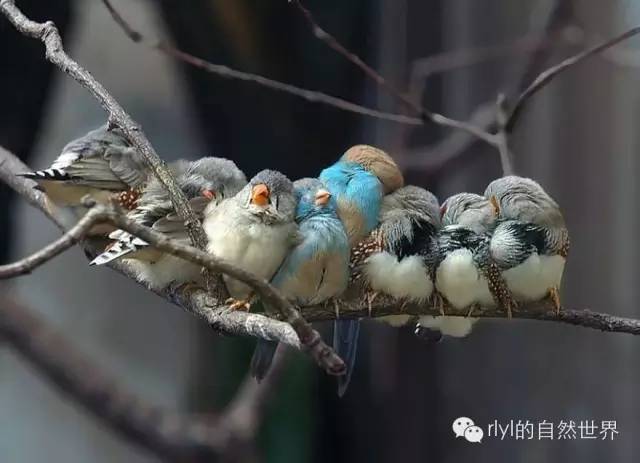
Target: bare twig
[(548, 75), (424, 113), (485, 115), (168, 435), (501, 136), (229, 73)]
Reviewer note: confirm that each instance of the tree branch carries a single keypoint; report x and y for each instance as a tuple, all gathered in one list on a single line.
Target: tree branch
[(229, 73), (306, 338), (548, 75), (297, 333), (424, 113), (50, 37), (166, 434)]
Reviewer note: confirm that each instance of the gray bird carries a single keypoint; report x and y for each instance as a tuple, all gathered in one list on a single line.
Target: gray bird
[(317, 268), (531, 241), (206, 183), (254, 230), (395, 259), (463, 259), (102, 164)]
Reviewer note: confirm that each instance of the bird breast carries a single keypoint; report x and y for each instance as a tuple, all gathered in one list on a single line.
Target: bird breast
[(254, 247), (403, 279), (458, 279), (532, 279)]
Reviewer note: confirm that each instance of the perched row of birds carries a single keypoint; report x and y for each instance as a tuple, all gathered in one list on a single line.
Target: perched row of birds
[(356, 227)]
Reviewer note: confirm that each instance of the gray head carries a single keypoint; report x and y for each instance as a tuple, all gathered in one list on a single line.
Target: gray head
[(215, 178), (411, 201), (469, 210), (269, 196), (524, 199)]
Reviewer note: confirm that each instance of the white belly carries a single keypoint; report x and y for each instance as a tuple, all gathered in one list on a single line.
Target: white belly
[(404, 279), (458, 280), (532, 279), (166, 270)]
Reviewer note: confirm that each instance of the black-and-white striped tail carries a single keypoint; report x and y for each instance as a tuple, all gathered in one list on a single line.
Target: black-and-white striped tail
[(118, 249), (47, 174)]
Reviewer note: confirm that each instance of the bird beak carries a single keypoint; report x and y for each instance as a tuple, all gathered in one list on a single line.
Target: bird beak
[(260, 195), (209, 194), (322, 197), (443, 210)]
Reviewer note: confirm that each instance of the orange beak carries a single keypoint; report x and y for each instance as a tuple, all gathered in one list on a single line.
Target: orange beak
[(209, 194), (260, 195), (322, 197), (496, 206)]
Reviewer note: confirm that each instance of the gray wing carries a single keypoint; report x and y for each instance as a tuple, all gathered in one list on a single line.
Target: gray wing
[(172, 226), (102, 159)]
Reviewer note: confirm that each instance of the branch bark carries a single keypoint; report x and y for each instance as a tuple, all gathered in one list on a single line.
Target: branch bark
[(297, 333), (166, 434)]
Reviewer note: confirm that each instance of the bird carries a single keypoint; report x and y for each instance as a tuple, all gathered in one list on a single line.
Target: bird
[(101, 163), (462, 257), (253, 230), (358, 180), (531, 241), (206, 183), (316, 269), (396, 257)]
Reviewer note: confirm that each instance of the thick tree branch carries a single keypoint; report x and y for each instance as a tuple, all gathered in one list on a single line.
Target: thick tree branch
[(297, 333), (168, 435), (307, 338)]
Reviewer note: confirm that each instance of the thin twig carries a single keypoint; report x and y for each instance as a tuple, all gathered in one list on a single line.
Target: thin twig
[(424, 113), (229, 73), (548, 75)]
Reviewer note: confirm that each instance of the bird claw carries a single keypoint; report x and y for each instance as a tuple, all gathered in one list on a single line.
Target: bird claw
[(438, 302), (472, 308), (554, 295), (238, 304), (371, 296)]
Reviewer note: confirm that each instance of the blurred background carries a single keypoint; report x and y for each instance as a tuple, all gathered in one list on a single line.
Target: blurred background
[(578, 138)]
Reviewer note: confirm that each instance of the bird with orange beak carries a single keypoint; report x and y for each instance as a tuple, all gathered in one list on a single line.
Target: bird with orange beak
[(317, 268), (205, 182), (254, 230)]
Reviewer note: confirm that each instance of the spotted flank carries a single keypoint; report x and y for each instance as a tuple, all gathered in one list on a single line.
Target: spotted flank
[(128, 199), (47, 174), (126, 244)]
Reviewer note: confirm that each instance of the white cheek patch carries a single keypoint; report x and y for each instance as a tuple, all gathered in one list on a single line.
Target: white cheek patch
[(404, 279)]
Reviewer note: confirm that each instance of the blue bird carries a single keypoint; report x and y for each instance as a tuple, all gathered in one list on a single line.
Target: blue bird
[(359, 180), (317, 268)]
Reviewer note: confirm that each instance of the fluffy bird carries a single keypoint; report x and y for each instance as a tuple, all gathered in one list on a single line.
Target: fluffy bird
[(206, 183), (462, 260), (317, 268), (359, 180), (531, 241), (102, 164), (254, 230), (396, 258)]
